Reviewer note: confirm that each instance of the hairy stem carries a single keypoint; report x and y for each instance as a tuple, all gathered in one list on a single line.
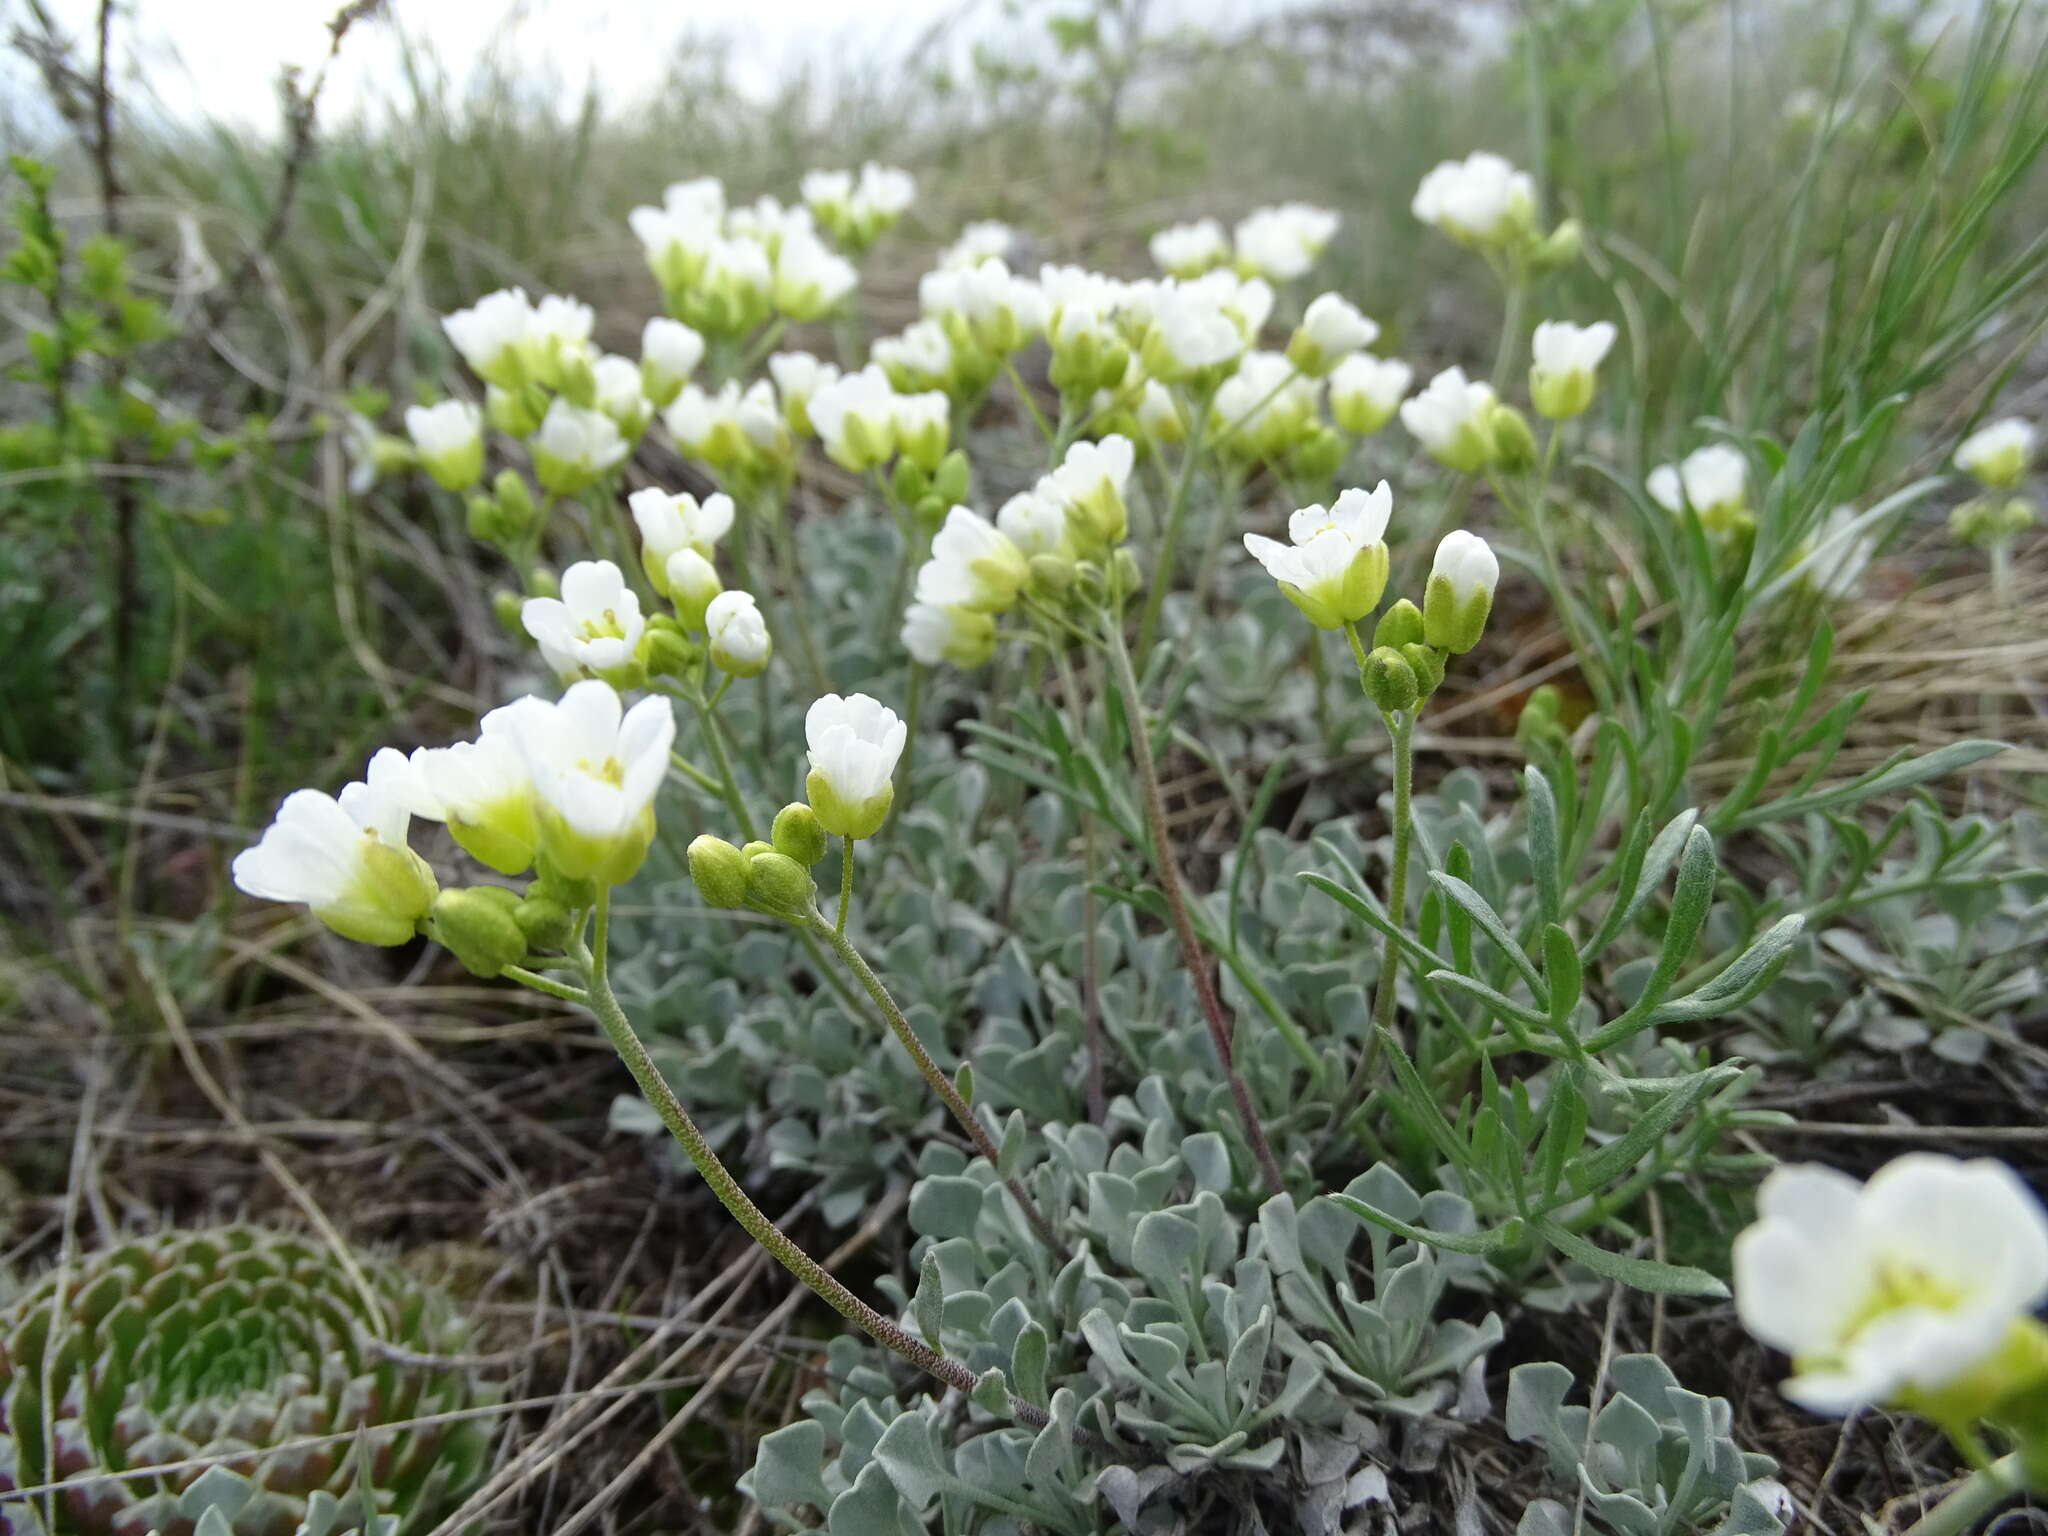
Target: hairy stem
[(1402, 728), (941, 1085), (619, 1030), (1176, 513), (1168, 869)]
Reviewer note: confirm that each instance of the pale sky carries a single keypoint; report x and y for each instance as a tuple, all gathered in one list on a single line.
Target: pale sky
[(221, 57)]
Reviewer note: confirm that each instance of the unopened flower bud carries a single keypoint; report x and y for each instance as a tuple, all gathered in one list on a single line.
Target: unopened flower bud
[(1561, 246), (545, 921), (1125, 572), (515, 412), (508, 605), (1400, 625), (1389, 681), (797, 835), (576, 378), (1514, 444), (1052, 572), (692, 584), (1427, 663), (541, 582), (1459, 594), (778, 882), (668, 652), (482, 518), (1317, 456), (477, 926), (950, 480), (719, 870)]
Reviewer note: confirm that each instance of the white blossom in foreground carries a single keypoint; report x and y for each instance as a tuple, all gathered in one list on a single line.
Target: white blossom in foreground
[(1565, 359), (934, 634), (1903, 1290), (1334, 565), (677, 241), (1189, 250), (595, 767), (670, 522), (1188, 333), (492, 336), (481, 790), (981, 241), (810, 277), (854, 744), (1712, 482), (593, 628), (973, 565), (1459, 594), (617, 381), (1282, 243), (855, 419), (798, 376), (919, 359), (669, 353), (574, 446), (1481, 200), (1450, 419), (1331, 330), (346, 858), (1089, 485), (449, 438), (1999, 455), (1366, 391), (737, 633)]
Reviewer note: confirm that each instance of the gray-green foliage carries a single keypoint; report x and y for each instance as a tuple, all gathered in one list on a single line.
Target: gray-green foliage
[(270, 1375), (1656, 1460)]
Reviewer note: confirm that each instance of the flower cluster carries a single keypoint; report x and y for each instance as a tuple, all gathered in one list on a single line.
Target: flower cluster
[(1279, 243)]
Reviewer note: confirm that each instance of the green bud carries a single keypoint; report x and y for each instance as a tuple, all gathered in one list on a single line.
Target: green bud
[(484, 521), (1318, 455), (929, 512), (1389, 681), (571, 892), (950, 480), (506, 606), (1562, 245), (1427, 663), (1514, 445), (1124, 570), (546, 922), (516, 412), (719, 870), (670, 653), (1053, 573), (478, 928), (797, 835), (779, 883), (910, 483), (1400, 625), (756, 848), (515, 501), (540, 582), (575, 378)]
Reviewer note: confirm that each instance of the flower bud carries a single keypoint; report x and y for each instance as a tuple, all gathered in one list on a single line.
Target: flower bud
[(779, 883), (797, 835), (740, 643), (668, 652), (1052, 572), (1125, 574), (1427, 663), (541, 582), (515, 412), (950, 480), (508, 605), (1561, 246), (692, 584), (719, 870), (1389, 681), (576, 378), (1998, 456), (1540, 726), (1514, 444), (545, 921), (1459, 594), (478, 928), (1400, 625), (1317, 456), (482, 519), (515, 502), (449, 439)]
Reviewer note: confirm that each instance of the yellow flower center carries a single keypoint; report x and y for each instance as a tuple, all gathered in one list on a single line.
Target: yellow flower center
[(604, 627)]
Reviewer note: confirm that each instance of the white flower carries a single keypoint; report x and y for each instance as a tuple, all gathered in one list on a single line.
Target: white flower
[(1035, 523), (1898, 1286), (1480, 200), (702, 197), (854, 744), (828, 194), (924, 424), (810, 277), (977, 243), (619, 394), (574, 446), (363, 444), (1712, 482), (1565, 358), (760, 419), (1089, 485), (1334, 566), (738, 634), (1999, 455), (798, 376), (560, 325), (1459, 594), (482, 790), (593, 627), (1189, 332), (449, 438), (1365, 391), (676, 242), (1248, 301), (1331, 330), (773, 225), (1263, 409), (1188, 250), (492, 335), (1078, 288), (882, 195), (346, 858), (933, 634), (595, 768), (1283, 243), (1001, 311), (1834, 559), (1159, 415), (855, 419), (973, 565), (704, 424), (921, 358), (1449, 418), (671, 523), (669, 353)]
